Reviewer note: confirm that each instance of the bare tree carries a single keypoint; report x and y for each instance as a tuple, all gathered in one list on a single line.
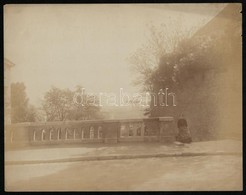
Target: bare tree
[(146, 59)]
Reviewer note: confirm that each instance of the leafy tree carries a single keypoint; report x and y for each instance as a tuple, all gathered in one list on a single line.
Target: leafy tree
[(193, 70), (59, 105), (145, 60), (32, 114), (21, 111)]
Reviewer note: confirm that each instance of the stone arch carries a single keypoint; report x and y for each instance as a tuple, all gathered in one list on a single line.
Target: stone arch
[(92, 132)]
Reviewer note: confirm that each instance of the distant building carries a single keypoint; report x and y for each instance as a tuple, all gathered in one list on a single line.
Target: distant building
[(7, 90)]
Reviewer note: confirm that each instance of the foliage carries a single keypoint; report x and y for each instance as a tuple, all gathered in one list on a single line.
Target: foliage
[(192, 70), (21, 111), (147, 58), (59, 105)]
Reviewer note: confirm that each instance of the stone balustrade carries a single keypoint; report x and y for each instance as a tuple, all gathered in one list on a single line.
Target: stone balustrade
[(101, 131)]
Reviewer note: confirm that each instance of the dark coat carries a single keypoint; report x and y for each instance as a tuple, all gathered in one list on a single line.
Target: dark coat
[(182, 123)]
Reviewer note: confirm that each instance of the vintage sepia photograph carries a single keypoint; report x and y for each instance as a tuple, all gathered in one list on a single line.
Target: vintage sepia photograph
[(123, 97)]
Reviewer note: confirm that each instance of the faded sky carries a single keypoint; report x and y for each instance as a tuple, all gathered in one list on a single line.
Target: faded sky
[(69, 45)]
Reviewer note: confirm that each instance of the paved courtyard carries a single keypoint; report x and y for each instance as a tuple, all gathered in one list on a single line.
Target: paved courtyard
[(206, 172), (70, 152), (172, 173)]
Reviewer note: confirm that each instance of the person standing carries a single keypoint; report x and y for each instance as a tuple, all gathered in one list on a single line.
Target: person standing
[(184, 135)]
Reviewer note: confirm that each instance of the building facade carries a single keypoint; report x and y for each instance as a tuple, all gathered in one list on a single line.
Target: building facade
[(7, 90)]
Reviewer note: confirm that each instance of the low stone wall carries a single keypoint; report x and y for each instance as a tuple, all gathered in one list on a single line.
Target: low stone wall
[(90, 131)]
